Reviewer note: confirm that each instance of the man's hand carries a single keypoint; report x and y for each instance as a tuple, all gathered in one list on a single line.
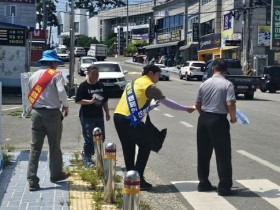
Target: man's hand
[(233, 120), (65, 110), (108, 117), (191, 109)]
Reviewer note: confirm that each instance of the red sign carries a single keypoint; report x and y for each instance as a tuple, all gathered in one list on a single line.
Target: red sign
[(39, 34), (19, 1)]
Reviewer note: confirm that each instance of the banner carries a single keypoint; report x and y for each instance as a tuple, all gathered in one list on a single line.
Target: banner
[(263, 35), (275, 25)]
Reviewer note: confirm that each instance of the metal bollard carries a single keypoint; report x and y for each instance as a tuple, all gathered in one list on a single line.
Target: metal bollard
[(98, 145), (109, 172), (131, 190)]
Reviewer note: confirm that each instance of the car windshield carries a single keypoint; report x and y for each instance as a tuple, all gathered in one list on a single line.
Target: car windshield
[(80, 48), (108, 67), (62, 51), (88, 60), (198, 64)]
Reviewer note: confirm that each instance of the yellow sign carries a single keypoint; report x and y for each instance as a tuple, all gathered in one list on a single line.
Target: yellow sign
[(227, 35)]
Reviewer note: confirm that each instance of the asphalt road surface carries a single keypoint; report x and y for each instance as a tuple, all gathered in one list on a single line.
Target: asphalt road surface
[(255, 147)]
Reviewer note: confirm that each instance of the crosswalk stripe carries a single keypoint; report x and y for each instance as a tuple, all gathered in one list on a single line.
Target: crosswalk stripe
[(168, 115), (266, 189), (202, 200)]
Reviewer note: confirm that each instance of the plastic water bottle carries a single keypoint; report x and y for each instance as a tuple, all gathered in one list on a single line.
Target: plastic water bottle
[(241, 118)]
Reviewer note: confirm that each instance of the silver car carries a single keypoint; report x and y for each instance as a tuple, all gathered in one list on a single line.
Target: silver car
[(83, 63), (79, 51)]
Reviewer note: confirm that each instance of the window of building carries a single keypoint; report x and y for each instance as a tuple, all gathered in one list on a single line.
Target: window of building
[(76, 27), (10, 10), (171, 23), (205, 1), (207, 27)]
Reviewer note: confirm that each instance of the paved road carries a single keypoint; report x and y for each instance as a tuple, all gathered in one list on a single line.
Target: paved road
[(255, 149)]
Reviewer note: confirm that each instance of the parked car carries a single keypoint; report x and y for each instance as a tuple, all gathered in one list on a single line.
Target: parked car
[(164, 74), (62, 54), (112, 76), (192, 69), (83, 63), (271, 79), (79, 51)]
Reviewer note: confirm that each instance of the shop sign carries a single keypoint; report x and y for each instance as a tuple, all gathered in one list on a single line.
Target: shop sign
[(195, 32), (39, 34), (210, 41), (19, 1), (12, 37), (169, 37), (227, 21), (263, 35), (275, 25)]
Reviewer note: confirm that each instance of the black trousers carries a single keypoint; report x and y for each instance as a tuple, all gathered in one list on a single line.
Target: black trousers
[(130, 137), (213, 132)]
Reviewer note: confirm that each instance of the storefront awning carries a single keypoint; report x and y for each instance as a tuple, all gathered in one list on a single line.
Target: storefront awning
[(153, 46), (187, 46)]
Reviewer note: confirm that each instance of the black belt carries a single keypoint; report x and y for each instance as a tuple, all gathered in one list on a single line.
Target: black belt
[(213, 113)]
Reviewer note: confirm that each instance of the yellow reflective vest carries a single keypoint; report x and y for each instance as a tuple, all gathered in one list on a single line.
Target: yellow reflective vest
[(140, 86)]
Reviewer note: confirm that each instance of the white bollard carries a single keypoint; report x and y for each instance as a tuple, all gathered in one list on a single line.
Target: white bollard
[(131, 190), (109, 172)]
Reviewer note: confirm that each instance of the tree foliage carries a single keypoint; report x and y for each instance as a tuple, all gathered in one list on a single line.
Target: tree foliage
[(94, 6), (50, 12)]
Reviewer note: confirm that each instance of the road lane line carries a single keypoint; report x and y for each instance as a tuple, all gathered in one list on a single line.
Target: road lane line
[(168, 115), (12, 108), (264, 188), (259, 160), (157, 109), (186, 124), (202, 200)]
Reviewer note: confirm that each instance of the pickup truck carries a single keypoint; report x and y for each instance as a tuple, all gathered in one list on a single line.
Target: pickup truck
[(243, 84)]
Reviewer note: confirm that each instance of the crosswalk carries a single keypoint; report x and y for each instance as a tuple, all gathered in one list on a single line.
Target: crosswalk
[(264, 188)]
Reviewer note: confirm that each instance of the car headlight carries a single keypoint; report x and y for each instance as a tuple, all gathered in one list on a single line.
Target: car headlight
[(121, 79)]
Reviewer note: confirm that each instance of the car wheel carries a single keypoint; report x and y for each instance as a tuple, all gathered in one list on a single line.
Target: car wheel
[(272, 91), (180, 75), (249, 95), (187, 77), (167, 78)]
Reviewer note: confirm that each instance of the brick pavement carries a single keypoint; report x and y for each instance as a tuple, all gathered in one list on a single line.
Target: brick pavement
[(14, 188)]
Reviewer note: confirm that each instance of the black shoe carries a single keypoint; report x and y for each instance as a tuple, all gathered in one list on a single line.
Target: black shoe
[(33, 186), (145, 185), (63, 175), (226, 192), (206, 188)]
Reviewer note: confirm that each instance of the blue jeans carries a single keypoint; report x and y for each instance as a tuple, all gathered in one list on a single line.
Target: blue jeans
[(88, 124)]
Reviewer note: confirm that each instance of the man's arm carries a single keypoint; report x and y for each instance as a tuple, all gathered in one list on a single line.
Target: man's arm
[(106, 109), (232, 111)]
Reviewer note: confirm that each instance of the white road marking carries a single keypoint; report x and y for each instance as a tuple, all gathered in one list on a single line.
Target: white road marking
[(134, 72), (12, 108), (157, 109), (266, 189), (168, 115), (202, 200), (259, 160), (186, 124)]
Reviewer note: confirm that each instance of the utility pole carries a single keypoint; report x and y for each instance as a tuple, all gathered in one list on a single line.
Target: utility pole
[(45, 19), (126, 36), (72, 57), (247, 33)]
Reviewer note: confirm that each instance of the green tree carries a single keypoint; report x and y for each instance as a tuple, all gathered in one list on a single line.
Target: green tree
[(50, 12), (94, 6), (87, 41)]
